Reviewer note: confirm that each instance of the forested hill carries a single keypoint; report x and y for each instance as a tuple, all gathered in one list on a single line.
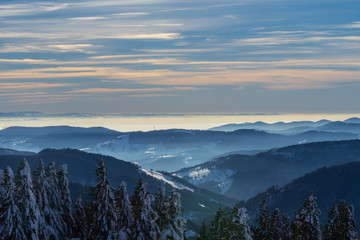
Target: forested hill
[(329, 184), (198, 203), (242, 176)]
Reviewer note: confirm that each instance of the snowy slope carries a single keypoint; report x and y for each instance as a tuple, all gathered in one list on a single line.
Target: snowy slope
[(242, 176)]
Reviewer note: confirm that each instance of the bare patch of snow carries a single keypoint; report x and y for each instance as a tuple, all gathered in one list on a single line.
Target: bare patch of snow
[(222, 177), (166, 179)]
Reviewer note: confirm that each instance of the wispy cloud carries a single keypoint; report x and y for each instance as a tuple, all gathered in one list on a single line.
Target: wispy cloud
[(87, 18), (355, 24), (153, 95), (132, 90), (159, 36), (231, 16), (30, 85), (43, 48), (30, 8), (130, 14)]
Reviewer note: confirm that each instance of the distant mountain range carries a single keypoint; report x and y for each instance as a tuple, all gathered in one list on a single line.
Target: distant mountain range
[(278, 126), (7, 151), (351, 125), (243, 176), (167, 150), (329, 184)]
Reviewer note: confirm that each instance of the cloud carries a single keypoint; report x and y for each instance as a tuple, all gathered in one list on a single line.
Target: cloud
[(296, 40), (153, 95), (7, 10), (159, 36), (180, 50), (231, 16), (132, 90), (130, 14), (28, 61), (87, 18), (134, 55), (30, 85), (54, 48), (352, 25), (71, 47)]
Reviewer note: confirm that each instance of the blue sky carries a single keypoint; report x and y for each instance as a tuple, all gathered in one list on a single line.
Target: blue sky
[(147, 56)]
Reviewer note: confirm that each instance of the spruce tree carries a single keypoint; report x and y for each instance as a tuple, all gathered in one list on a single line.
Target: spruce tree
[(174, 227), (345, 223), (285, 227), (104, 218), (124, 218), (308, 222), (203, 233), (219, 226), (26, 201), (294, 226), (239, 225), (276, 230), (48, 229), (65, 200), (330, 228), (53, 217), (80, 229), (162, 209), (264, 228), (10, 215), (144, 226)]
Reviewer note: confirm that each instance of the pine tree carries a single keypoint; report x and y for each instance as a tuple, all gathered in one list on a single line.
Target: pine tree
[(174, 227), (264, 228), (124, 218), (276, 230), (238, 226), (144, 225), (47, 221), (26, 201), (294, 226), (65, 200), (162, 209), (10, 216), (203, 233), (53, 217), (104, 223), (308, 222), (345, 227), (330, 228), (80, 229), (219, 226), (285, 228)]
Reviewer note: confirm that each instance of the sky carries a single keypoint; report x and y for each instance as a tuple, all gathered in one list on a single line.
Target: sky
[(162, 56)]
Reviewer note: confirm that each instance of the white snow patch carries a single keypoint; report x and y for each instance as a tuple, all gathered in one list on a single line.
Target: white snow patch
[(166, 179), (222, 177), (199, 174), (168, 156), (84, 149), (186, 160)]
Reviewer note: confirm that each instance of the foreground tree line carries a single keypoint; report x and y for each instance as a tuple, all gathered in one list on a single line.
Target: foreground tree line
[(38, 206), (271, 226)]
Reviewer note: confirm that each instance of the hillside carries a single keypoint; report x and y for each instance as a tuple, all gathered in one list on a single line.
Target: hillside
[(329, 184), (243, 176), (198, 203)]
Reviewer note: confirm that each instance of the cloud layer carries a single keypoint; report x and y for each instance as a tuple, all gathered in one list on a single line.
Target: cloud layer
[(156, 56)]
